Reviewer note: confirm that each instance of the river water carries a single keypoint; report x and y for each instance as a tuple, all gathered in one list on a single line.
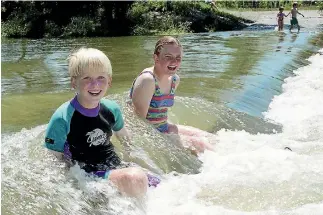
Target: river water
[(256, 91)]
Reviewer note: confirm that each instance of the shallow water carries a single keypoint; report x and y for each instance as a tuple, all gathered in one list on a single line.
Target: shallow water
[(255, 90)]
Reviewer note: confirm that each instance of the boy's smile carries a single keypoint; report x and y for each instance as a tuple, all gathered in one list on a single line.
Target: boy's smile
[(94, 93)]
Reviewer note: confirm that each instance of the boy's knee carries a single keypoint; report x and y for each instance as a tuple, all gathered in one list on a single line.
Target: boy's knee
[(135, 176)]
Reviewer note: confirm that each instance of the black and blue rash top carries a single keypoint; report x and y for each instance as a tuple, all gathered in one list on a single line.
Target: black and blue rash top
[(84, 135)]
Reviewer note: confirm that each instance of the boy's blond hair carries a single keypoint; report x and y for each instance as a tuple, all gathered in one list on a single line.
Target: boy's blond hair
[(88, 59)]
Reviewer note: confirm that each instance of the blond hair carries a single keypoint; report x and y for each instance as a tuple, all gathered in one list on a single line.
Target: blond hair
[(88, 59), (165, 41)]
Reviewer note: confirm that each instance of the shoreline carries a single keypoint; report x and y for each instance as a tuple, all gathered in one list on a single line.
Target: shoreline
[(312, 19)]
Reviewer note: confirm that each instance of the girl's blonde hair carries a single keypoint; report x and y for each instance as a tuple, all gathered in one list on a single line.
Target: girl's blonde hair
[(88, 59), (165, 41)]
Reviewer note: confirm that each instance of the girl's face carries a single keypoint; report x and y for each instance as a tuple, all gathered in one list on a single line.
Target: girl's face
[(91, 87), (169, 59)]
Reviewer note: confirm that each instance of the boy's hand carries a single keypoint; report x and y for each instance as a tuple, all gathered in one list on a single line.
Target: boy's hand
[(127, 156), (131, 153)]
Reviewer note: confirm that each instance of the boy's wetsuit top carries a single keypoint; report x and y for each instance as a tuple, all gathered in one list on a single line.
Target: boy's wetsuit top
[(83, 135)]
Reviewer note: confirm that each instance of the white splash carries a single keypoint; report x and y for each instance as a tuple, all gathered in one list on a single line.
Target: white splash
[(248, 174), (253, 174)]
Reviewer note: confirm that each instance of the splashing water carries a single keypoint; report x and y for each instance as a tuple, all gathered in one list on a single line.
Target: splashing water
[(250, 173)]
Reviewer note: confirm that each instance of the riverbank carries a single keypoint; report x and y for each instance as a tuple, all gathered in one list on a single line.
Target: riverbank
[(106, 19), (22, 19)]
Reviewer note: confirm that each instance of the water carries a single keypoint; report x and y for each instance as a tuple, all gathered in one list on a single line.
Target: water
[(257, 91)]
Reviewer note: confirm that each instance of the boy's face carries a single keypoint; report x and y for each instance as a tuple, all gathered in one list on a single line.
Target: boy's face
[(169, 59), (91, 86)]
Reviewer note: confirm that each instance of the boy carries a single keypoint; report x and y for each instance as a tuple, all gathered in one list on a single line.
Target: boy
[(294, 20), (80, 130)]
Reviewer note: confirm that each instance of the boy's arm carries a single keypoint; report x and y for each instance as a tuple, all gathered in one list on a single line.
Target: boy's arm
[(143, 91), (133, 153), (125, 139), (300, 13), (56, 136), (119, 128)]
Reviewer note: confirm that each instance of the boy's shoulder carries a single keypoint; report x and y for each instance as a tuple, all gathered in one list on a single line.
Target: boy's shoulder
[(110, 104), (113, 108), (63, 111)]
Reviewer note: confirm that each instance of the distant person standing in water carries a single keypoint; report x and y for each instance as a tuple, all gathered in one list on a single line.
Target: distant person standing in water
[(294, 20), (153, 92), (280, 19)]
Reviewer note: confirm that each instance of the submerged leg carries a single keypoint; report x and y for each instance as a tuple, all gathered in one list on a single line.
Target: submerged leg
[(193, 138)]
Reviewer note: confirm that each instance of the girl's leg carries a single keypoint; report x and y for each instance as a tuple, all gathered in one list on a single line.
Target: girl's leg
[(193, 137)]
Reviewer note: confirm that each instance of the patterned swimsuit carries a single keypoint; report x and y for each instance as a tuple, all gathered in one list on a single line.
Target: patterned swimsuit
[(159, 104)]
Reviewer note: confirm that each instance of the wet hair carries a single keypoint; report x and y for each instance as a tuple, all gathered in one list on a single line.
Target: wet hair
[(165, 41), (88, 59)]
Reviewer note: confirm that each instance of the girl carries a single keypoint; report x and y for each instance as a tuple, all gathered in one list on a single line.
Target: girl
[(153, 92), (280, 19)]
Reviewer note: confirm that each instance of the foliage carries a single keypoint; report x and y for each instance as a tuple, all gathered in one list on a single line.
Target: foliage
[(81, 27), (155, 18), (320, 6), (14, 28), (38, 19)]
